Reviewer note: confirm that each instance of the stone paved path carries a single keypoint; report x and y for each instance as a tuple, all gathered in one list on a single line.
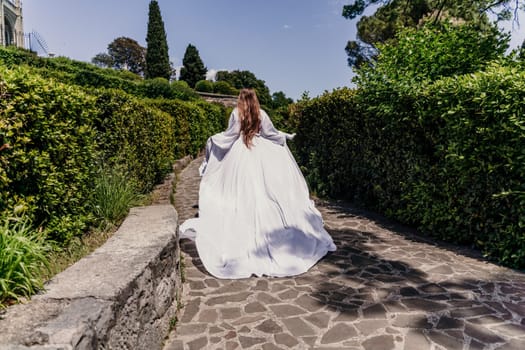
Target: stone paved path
[(382, 289)]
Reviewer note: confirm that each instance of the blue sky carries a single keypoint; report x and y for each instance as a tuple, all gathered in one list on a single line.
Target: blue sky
[(293, 45)]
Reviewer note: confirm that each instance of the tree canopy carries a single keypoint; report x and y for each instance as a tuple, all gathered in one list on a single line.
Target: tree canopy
[(157, 58), (246, 79), (394, 15), (123, 53), (193, 69)]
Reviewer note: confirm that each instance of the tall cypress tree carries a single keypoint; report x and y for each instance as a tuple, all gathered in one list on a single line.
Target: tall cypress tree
[(193, 68), (157, 58)]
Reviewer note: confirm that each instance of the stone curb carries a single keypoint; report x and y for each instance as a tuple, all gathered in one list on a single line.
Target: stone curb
[(122, 296)]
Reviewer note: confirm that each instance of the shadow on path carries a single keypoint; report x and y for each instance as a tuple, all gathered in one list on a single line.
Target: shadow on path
[(384, 288)]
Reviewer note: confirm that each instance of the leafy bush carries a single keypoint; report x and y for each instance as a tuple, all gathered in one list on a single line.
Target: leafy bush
[(434, 51), (157, 87), (435, 145), (181, 90), (97, 79), (49, 168), (204, 86), (134, 135), (22, 256), (223, 87), (194, 123), (329, 143), (476, 126)]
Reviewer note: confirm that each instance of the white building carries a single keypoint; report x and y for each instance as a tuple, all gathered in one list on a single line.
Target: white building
[(11, 26)]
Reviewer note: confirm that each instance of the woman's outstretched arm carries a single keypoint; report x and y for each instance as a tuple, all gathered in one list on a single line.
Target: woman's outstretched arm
[(269, 131)]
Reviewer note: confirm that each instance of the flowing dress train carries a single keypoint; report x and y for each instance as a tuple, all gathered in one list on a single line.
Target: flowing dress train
[(255, 214)]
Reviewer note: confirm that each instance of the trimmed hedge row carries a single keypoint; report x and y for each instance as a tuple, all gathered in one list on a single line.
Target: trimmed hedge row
[(195, 122), (61, 135), (85, 74), (47, 171), (447, 157)]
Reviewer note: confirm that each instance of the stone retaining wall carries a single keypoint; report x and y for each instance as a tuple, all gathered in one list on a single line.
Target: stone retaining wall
[(122, 296), (226, 100)]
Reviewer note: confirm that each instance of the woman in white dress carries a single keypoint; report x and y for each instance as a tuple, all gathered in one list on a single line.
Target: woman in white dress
[(255, 213)]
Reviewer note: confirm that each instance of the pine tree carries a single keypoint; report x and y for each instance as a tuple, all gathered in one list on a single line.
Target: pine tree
[(193, 68), (157, 58)]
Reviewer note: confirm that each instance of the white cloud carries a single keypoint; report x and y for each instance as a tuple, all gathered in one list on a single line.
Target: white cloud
[(287, 26), (212, 73)]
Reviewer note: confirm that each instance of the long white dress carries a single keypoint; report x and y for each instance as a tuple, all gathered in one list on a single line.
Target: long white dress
[(255, 214)]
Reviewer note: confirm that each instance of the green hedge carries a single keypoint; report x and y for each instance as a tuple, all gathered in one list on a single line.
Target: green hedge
[(47, 173), (447, 157), (61, 136), (85, 74), (135, 136), (476, 125), (195, 122)]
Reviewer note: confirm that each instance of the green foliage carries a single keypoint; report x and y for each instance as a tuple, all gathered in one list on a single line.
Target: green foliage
[(182, 91), (103, 60), (280, 100), (134, 136), (328, 142), (84, 74), (477, 131), (59, 120), (204, 86), (48, 169), (193, 69), (113, 194), (22, 256), (127, 54), (225, 88), (157, 57), (434, 51), (97, 79), (157, 87), (246, 79), (393, 16), (194, 123), (123, 53), (430, 138)]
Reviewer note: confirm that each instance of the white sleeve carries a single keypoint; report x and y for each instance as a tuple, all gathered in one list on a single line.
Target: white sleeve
[(268, 131), (219, 144)]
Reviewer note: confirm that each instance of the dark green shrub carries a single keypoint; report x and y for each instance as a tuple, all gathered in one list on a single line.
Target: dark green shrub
[(181, 90), (223, 87), (180, 111), (327, 144), (194, 123), (434, 136), (92, 78), (207, 119), (49, 168), (204, 86), (476, 181), (157, 87), (135, 136)]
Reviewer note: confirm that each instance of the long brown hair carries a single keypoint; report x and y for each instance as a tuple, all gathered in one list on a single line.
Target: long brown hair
[(249, 110)]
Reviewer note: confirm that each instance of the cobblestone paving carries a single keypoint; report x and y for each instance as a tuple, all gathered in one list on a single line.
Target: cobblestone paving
[(382, 289)]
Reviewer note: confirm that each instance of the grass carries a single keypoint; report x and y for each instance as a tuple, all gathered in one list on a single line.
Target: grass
[(113, 195), (27, 259), (23, 255)]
